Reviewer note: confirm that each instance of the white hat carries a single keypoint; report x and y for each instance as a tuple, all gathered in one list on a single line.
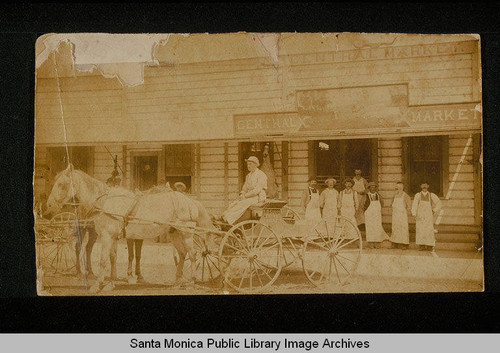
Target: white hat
[(253, 159), (180, 186)]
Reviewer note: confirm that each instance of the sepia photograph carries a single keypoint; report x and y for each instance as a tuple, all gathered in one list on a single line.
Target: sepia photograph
[(258, 163)]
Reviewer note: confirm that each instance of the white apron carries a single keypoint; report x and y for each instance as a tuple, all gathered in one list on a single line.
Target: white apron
[(348, 210), (313, 212), (330, 206), (400, 233), (425, 222), (373, 222), (237, 208), (359, 187)]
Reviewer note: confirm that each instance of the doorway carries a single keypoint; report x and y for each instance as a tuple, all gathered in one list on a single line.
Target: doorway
[(145, 172)]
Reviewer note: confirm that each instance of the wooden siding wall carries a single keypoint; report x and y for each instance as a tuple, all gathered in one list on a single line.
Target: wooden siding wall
[(278, 155), (298, 173), (103, 161), (40, 171), (198, 101), (212, 176), (431, 80), (459, 208), (92, 107)]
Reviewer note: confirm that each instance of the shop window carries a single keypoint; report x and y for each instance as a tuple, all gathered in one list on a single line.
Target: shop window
[(339, 159), (145, 171), (256, 149), (179, 164), (427, 163)]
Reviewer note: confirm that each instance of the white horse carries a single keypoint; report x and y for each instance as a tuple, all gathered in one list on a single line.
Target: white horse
[(141, 216)]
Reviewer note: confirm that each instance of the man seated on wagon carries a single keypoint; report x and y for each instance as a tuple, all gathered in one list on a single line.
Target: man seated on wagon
[(252, 193)]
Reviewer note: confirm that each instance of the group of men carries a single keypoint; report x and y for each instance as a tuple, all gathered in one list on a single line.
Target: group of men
[(359, 201)]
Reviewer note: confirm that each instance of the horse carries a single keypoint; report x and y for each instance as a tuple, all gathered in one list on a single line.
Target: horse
[(117, 211)]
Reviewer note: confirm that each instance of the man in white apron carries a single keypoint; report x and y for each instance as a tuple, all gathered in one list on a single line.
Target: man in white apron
[(375, 233), (360, 186), (401, 208), (253, 192), (328, 200), (310, 202), (348, 203), (425, 205)]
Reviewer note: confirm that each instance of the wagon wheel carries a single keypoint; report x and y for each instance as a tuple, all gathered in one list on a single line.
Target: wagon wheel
[(332, 252), (250, 256), (291, 248), (59, 253), (206, 262)]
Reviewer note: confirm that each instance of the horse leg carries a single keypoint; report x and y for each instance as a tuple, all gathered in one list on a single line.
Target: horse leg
[(181, 251), (130, 249), (78, 249), (81, 245), (189, 246), (88, 249), (112, 258), (106, 242), (138, 250), (111, 251)]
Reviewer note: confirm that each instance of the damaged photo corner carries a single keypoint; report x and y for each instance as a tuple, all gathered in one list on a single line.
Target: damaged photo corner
[(254, 163)]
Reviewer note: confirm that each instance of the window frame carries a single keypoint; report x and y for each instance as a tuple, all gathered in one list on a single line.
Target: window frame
[(444, 170), (163, 167), (373, 176)]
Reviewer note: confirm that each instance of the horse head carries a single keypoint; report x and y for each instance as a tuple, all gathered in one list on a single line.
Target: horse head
[(64, 190)]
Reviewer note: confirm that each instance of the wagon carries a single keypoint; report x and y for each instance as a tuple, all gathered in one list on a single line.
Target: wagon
[(249, 256), (56, 243)]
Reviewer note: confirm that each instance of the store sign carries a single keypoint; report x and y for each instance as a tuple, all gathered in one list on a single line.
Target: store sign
[(385, 52), (362, 109)]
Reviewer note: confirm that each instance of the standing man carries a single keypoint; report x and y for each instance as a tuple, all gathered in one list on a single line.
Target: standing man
[(425, 205), (328, 200), (310, 201), (375, 233), (360, 186), (401, 208), (253, 191), (348, 203)]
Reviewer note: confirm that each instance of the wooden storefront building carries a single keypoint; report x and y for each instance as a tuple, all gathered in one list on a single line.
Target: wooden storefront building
[(405, 110)]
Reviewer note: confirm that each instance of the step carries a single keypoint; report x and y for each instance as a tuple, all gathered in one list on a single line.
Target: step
[(449, 246)]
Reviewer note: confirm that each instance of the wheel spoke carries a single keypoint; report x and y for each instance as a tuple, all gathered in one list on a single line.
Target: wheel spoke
[(244, 246), (258, 276), (235, 249), (322, 238), (243, 277), (256, 242), (341, 264), (263, 270), (210, 267), (268, 265), (337, 239), (203, 268), (265, 241), (251, 275), (337, 271), (352, 241), (348, 259)]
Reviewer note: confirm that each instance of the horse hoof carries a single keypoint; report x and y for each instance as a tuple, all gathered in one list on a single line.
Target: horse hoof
[(109, 287), (181, 281), (131, 280), (94, 288), (140, 279)]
